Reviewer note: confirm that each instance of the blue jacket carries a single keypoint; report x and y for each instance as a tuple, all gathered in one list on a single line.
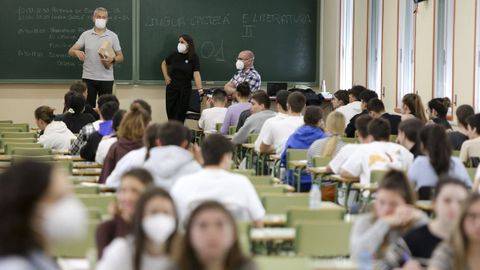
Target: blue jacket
[(302, 139)]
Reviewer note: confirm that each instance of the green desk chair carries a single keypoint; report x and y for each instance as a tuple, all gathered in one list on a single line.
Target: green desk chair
[(456, 153), (268, 189), (31, 151), (282, 263), (78, 249), (232, 130), (10, 146), (349, 140), (10, 129), (246, 173), (218, 127), (43, 158), (471, 173), (6, 122), (18, 135), (98, 201), (322, 239), (295, 155), (279, 203), (319, 161), (244, 236), (300, 214), (23, 126), (261, 180), (86, 190)]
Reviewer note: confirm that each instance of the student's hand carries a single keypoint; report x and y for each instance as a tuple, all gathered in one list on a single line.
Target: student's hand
[(412, 265), (168, 80), (407, 214), (80, 55)]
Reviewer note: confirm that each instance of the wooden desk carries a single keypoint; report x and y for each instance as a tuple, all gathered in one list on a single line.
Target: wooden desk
[(5, 158), (424, 205), (272, 234), (84, 178), (349, 180), (332, 264), (86, 164), (64, 153), (87, 171), (272, 220), (66, 157)]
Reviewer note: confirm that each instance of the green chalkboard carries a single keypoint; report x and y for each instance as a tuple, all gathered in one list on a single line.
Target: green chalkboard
[(282, 33), (36, 35)]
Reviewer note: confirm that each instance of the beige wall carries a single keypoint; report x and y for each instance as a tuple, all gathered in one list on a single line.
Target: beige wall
[(360, 42), (331, 32), (17, 102)]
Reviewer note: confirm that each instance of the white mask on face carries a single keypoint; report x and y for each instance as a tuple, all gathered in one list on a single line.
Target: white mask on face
[(158, 227), (100, 23), (182, 48), (240, 65), (65, 220)]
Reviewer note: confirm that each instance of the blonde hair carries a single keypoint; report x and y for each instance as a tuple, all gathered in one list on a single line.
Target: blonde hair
[(134, 123), (335, 126), (459, 241)]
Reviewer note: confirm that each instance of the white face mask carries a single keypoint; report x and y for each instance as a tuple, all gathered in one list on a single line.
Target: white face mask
[(158, 227), (65, 220), (240, 65), (100, 23), (182, 48)]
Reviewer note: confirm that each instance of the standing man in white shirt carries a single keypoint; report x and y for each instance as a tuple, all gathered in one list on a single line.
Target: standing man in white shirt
[(97, 70), (275, 139), (214, 182)]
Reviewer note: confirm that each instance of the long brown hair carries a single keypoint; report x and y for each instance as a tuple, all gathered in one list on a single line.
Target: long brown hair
[(134, 123), (434, 139), (138, 232), (459, 241), (188, 259), (152, 133), (335, 126), (415, 105)]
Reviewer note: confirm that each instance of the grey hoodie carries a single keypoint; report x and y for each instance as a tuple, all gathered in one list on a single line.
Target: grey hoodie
[(168, 163)]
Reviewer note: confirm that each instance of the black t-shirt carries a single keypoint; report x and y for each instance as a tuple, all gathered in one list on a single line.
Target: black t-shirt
[(182, 68), (457, 139), (421, 242), (75, 122)]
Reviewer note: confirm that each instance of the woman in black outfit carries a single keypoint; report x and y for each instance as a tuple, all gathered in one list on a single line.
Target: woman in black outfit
[(184, 67), (75, 118)]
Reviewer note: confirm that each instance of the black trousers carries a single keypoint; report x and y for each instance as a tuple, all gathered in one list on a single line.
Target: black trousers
[(178, 100), (97, 88)]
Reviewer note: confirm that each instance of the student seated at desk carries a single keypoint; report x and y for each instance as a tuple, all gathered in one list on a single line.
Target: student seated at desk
[(78, 87), (130, 134), (154, 236), (302, 138), (260, 113), (211, 241), (133, 184), (171, 156), (361, 131), (233, 112), (462, 250), (75, 118), (35, 215), (212, 116), (214, 182), (437, 160), (470, 151), (54, 134), (282, 113), (340, 99), (408, 131), (89, 129), (331, 145), (459, 136), (379, 154), (437, 112), (412, 107), (414, 249), (392, 216), (365, 96), (354, 106), (279, 131), (376, 109)]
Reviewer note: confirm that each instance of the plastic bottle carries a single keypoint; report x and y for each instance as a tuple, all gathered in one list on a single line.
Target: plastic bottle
[(315, 197)]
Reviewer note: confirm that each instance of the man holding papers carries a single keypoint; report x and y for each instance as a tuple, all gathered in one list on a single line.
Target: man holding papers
[(98, 49)]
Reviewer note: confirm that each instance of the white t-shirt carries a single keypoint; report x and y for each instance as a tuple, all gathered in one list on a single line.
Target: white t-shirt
[(342, 156), (377, 156), (211, 117), (266, 128), (235, 191), (103, 148), (350, 110), (119, 255), (132, 159), (280, 130)]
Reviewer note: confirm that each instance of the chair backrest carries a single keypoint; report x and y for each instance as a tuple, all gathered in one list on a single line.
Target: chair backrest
[(252, 137), (42, 158), (246, 173), (471, 173), (295, 154), (18, 135), (261, 180), (322, 239), (393, 138), (262, 189), (232, 130), (243, 236), (376, 176), (31, 151), (218, 126), (283, 263), (10, 129), (98, 201), (279, 203), (300, 214), (10, 146), (6, 122), (319, 161), (456, 153), (349, 140), (78, 249), (23, 126), (86, 190)]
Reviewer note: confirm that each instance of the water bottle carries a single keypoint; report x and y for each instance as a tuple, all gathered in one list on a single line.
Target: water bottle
[(365, 260), (315, 197)]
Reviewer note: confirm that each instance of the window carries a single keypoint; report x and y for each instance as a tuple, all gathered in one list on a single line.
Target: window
[(406, 49), (346, 44), (444, 48), (477, 60), (375, 46)]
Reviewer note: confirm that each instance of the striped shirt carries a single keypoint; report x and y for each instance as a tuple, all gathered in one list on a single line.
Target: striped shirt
[(251, 76)]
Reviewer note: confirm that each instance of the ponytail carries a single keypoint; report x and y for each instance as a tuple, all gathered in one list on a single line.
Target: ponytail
[(330, 146), (134, 123), (152, 133), (434, 140)]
